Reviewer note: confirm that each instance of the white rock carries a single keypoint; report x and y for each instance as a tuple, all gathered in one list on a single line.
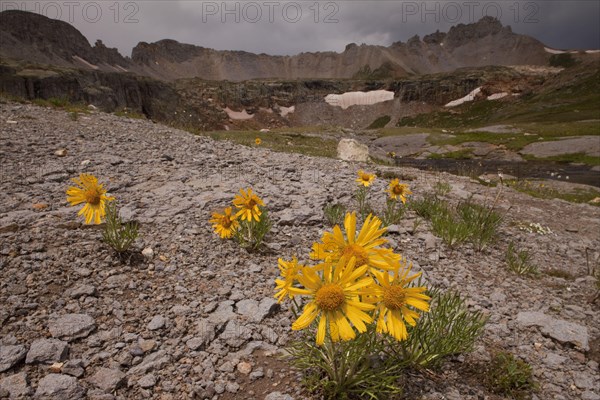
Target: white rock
[(148, 253), (351, 150)]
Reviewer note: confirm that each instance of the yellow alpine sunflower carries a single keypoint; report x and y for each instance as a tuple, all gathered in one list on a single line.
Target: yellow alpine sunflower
[(335, 291), (289, 272), (394, 297), (90, 192), (248, 204), (224, 224), (398, 190), (364, 178), (365, 247), (257, 141)]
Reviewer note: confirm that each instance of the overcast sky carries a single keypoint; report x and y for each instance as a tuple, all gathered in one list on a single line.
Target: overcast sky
[(283, 27)]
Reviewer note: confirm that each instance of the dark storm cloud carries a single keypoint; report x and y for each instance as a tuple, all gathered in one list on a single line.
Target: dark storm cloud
[(282, 27)]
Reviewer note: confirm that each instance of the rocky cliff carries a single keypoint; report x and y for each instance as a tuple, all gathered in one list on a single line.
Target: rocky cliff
[(32, 37), (35, 38)]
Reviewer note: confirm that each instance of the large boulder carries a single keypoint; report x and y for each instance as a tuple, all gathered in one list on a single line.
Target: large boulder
[(351, 150)]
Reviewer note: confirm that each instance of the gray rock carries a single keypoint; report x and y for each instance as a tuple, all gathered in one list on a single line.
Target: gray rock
[(11, 355), (558, 329), (267, 307), (83, 290), (180, 310), (206, 333), (248, 308), (278, 396), (59, 387), (227, 366), (158, 322), (16, 385), (232, 387), (107, 379), (147, 381), (223, 313), (554, 360), (589, 395), (71, 326), (584, 380), (152, 362), (429, 239), (73, 368), (47, 351), (235, 334)]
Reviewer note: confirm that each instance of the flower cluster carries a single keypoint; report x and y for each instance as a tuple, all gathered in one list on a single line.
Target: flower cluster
[(92, 194), (248, 206), (357, 282)]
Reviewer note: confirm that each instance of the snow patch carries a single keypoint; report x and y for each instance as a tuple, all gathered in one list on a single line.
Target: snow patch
[(121, 68), (348, 99), (89, 65), (284, 111), (469, 97), (238, 115), (497, 96), (592, 51), (553, 51)]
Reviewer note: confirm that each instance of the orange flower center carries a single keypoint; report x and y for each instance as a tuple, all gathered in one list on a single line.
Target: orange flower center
[(226, 222), (354, 250), (394, 297), (251, 203), (93, 196), (365, 177), (330, 297), (398, 189)]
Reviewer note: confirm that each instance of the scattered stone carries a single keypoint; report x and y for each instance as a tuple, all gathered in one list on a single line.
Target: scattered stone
[(154, 361), (47, 351), (147, 345), (267, 307), (227, 366), (248, 308), (11, 356), (232, 387), (235, 334), (71, 326), (73, 368), (61, 152), (107, 379), (560, 330), (56, 368), (148, 253), (16, 385), (60, 387), (244, 368), (147, 381), (83, 290), (158, 322), (278, 396), (223, 313)]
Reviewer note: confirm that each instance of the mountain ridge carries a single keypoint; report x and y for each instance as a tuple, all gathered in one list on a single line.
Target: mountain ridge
[(36, 38)]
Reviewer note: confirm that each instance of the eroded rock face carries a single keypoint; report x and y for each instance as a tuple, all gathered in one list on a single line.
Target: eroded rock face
[(33, 37)]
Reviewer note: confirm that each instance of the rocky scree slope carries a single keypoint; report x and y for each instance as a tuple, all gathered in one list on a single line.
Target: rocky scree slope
[(196, 317)]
